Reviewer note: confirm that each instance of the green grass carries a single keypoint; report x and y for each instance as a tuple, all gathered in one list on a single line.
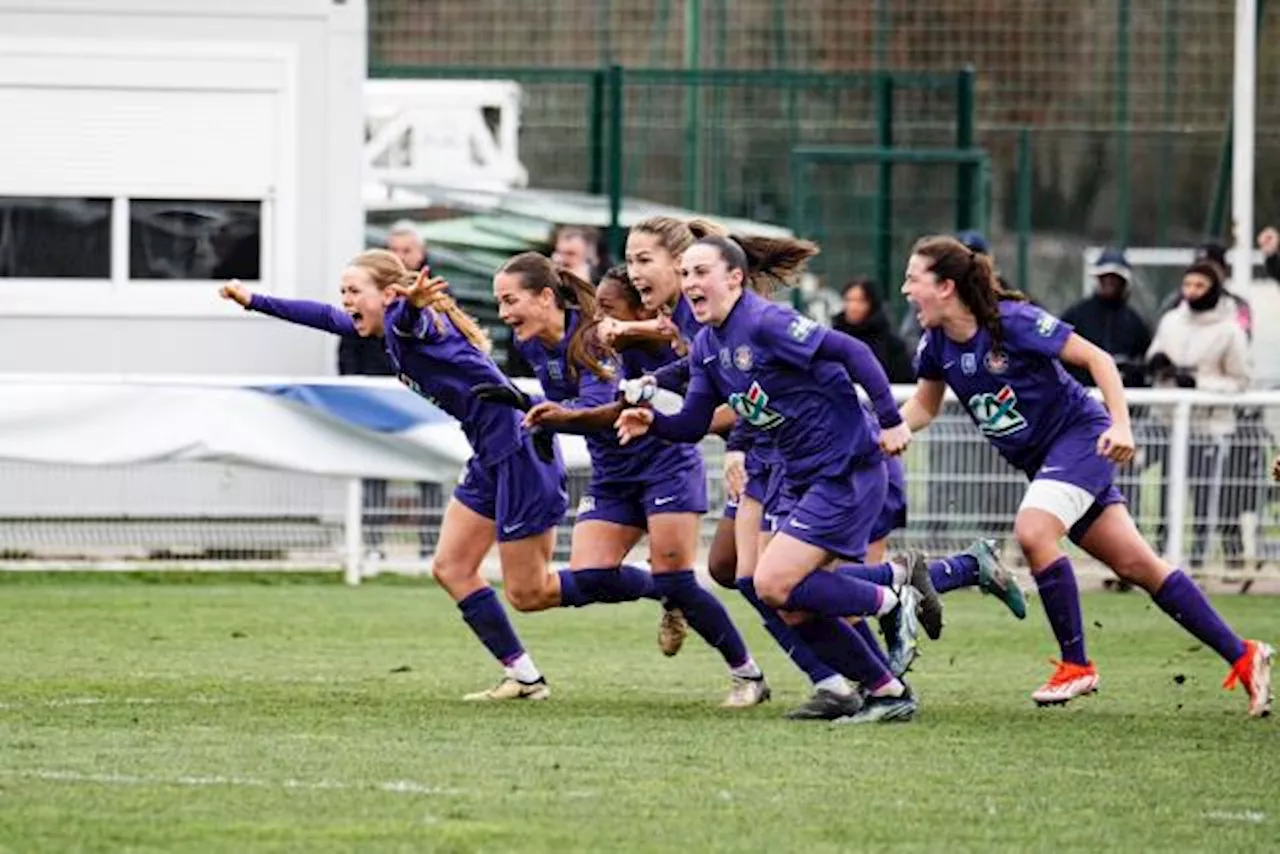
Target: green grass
[(236, 716)]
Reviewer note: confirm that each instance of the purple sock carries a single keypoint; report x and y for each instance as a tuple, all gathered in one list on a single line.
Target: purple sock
[(704, 613), (1061, 600), (618, 584), (952, 573), (834, 594), (1181, 599), (797, 650), (484, 614), (836, 642), (873, 644), (877, 573)]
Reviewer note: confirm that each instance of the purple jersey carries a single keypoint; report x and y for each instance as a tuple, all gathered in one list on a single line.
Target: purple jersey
[(761, 360), (437, 363), (1020, 397), (645, 460)]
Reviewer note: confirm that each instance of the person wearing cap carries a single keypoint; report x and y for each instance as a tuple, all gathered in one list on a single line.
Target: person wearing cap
[(1198, 346), (1106, 319)]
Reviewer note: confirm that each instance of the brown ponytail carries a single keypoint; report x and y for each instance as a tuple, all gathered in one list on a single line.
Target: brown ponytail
[(386, 269)]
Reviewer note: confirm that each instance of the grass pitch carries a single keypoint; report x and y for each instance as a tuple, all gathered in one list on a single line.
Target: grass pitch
[(294, 714)]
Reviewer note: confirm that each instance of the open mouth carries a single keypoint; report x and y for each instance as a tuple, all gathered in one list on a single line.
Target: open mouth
[(696, 300)]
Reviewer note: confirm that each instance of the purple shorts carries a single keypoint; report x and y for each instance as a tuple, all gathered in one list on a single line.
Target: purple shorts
[(632, 503), (522, 495), (837, 514), (893, 515), (1074, 459), (774, 500)]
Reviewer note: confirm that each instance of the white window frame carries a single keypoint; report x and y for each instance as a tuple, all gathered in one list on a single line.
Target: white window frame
[(121, 296)]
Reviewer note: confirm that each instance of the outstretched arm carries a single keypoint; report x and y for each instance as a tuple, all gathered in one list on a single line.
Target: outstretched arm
[(860, 363), (316, 315)]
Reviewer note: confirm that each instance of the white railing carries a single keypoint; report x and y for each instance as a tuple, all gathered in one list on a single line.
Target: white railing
[(1205, 501)]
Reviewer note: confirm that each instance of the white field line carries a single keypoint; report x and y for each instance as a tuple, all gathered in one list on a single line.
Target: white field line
[(398, 787)]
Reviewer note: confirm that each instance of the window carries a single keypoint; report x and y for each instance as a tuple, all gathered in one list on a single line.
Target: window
[(195, 239), (55, 238)]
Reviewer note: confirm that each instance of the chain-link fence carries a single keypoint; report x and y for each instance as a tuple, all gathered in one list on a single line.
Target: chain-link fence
[(1105, 122)]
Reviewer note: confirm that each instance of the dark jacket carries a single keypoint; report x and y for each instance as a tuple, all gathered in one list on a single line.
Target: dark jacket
[(366, 357), (890, 350), (1115, 327)]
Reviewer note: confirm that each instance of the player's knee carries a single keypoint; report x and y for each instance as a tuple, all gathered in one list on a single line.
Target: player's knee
[(722, 564), (449, 573), (772, 588), (528, 597), (1035, 537)]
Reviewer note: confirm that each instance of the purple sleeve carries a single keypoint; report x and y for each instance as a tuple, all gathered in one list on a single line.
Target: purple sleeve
[(303, 312), (789, 336), (673, 376), (1029, 329), (693, 420), (409, 322), (926, 362), (862, 367), (593, 392)]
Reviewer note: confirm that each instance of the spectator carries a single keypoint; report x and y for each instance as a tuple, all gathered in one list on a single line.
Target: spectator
[(575, 250), (406, 241), (1200, 344), (864, 318), (1106, 319), (1269, 243), (1215, 254)]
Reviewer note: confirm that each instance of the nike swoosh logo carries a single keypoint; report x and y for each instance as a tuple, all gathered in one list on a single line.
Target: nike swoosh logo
[(801, 525), (708, 360), (507, 529), (664, 500), (1049, 469), (946, 365)]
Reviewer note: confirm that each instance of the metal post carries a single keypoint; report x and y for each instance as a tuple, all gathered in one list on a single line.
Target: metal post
[(1025, 189), (1179, 461), (693, 184), (965, 98), (595, 132), (1164, 188), (1215, 222), (1244, 102), (1123, 213), (352, 525), (617, 80), (884, 183)]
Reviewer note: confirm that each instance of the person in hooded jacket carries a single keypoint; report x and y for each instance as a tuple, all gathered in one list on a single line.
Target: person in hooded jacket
[(1106, 319), (1201, 345), (864, 318)]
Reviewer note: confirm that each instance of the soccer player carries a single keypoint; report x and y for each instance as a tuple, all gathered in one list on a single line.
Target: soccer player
[(1004, 359), (785, 375), (651, 486), (513, 489)]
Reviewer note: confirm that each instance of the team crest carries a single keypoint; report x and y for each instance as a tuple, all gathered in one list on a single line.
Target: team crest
[(555, 370), (753, 408), (801, 328), (996, 362), (742, 358), (968, 364), (997, 414), (1045, 324), (726, 361)]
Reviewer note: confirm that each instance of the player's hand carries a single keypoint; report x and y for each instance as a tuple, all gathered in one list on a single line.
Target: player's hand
[(424, 291), (544, 445), (1116, 444), (548, 413), (735, 473), (1269, 241), (894, 440), (507, 395), (236, 292), (608, 330), (1275, 469), (632, 424)]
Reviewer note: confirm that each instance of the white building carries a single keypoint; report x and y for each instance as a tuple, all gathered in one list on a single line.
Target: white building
[(149, 148)]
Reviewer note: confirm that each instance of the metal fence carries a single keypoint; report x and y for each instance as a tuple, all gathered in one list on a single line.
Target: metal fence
[(1206, 501)]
